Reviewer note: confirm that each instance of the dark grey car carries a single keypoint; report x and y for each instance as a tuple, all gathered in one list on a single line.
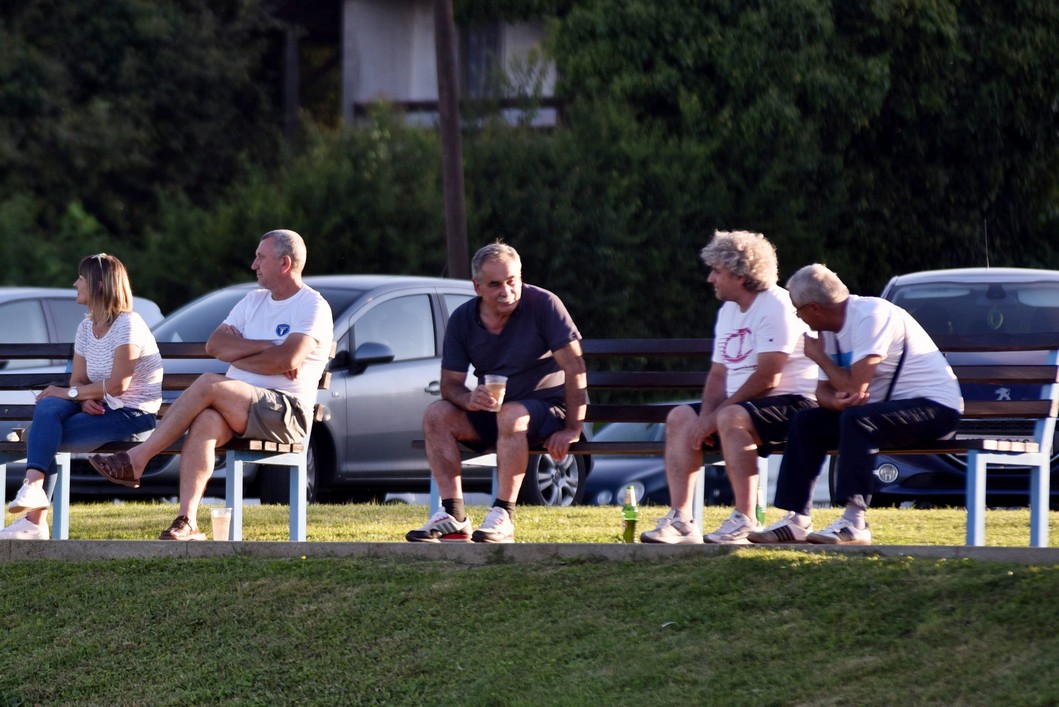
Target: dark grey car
[(389, 331)]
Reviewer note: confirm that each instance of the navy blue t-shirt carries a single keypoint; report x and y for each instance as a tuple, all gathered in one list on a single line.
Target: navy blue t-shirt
[(522, 351)]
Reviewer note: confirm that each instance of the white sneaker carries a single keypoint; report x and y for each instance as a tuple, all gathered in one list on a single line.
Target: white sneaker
[(672, 529), (842, 532), (30, 497), (24, 529), (734, 530), (784, 530), (442, 528), (496, 528)]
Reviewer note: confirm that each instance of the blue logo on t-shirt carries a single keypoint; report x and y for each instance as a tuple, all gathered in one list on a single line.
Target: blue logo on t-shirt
[(282, 329)]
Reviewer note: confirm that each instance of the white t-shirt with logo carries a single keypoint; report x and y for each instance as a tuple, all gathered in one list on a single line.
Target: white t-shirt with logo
[(258, 316), (878, 327), (768, 325)]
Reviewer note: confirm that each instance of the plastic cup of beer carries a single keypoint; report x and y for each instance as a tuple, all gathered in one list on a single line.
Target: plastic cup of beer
[(497, 386), (222, 523)]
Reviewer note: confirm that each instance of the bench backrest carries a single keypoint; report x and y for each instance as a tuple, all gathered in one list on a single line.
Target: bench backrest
[(21, 381)]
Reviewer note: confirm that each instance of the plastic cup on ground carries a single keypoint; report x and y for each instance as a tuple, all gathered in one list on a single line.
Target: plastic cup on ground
[(222, 523), (497, 386)]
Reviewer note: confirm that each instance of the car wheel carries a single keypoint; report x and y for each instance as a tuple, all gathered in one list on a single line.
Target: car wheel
[(273, 482), (550, 484)]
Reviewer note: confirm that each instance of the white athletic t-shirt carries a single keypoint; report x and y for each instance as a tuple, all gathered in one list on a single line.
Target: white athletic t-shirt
[(875, 326), (768, 325), (258, 316)]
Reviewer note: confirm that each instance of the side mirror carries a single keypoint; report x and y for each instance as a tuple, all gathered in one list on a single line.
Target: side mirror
[(370, 353)]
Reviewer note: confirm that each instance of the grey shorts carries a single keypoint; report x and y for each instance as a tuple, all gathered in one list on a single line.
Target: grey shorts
[(275, 417)]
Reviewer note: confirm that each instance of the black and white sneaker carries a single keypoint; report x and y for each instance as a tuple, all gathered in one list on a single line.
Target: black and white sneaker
[(441, 528), (784, 530)]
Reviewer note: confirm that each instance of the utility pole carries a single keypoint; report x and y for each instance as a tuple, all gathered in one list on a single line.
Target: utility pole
[(451, 141)]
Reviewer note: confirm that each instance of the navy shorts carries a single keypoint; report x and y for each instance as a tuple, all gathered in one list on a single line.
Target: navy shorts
[(546, 418), (772, 417)]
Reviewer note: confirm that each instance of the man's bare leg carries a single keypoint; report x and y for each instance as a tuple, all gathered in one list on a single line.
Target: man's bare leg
[(739, 442), (512, 450), (444, 425), (229, 398), (208, 431), (682, 462)]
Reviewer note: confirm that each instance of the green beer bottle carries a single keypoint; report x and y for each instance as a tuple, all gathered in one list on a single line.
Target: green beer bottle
[(629, 515)]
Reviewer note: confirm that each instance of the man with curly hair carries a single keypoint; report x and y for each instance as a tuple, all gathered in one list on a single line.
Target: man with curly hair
[(758, 380)]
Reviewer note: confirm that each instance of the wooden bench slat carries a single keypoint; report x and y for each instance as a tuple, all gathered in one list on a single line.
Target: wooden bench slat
[(1007, 375), (601, 348), (651, 380)]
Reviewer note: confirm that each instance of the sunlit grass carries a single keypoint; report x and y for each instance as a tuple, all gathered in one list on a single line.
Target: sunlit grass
[(580, 524)]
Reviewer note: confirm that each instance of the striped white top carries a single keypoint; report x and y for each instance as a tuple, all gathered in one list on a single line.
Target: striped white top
[(145, 389)]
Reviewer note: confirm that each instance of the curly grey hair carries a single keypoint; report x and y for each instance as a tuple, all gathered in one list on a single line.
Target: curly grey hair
[(744, 254), (816, 284)]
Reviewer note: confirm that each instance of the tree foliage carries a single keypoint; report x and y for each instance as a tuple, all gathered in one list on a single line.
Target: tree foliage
[(105, 102), (878, 136)]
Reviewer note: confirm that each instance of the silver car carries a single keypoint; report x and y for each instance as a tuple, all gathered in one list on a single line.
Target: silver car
[(389, 331)]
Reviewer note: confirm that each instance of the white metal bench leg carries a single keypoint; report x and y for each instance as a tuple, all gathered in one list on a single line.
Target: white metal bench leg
[(765, 466), (233, 494), (296, 465), (975, 501), (60, 501), (1039, 493)]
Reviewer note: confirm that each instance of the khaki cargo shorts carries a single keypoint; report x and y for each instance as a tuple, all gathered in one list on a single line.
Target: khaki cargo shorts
[(276, 417)]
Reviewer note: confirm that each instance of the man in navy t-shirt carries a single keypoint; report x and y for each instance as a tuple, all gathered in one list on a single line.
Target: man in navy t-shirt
[(521, 332)]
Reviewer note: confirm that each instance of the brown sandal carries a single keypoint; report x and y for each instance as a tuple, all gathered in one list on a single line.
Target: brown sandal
[(116, 468)]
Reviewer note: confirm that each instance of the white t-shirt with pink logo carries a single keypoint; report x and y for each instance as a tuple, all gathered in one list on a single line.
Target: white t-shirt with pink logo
[(768, 325)]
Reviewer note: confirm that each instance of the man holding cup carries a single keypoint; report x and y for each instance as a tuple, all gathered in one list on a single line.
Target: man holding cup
[(525, 334)]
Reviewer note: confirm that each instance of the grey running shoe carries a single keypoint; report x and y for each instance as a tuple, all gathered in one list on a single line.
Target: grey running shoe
[(672, 529), (734, 530), (496, 528)]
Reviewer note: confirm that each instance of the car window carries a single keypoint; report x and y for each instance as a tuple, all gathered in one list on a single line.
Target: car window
[(405, 324), (989, 310), (452, 301), (196, 321), (22, 322), (66, 315)]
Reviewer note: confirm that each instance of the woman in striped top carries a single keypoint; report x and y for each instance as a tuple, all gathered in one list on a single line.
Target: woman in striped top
[(115, 389)]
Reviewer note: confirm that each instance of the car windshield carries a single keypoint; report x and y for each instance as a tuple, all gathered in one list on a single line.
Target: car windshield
[(991, 310), (196, 321)]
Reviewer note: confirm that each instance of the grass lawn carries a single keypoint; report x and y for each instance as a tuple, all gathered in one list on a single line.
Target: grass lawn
[(771, 627)]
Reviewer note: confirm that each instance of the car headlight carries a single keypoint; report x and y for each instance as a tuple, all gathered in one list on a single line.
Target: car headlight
[(887, 473)]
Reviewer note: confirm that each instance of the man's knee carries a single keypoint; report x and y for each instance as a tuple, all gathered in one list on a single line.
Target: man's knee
[(513, 419), (732, 417), (440, 417)]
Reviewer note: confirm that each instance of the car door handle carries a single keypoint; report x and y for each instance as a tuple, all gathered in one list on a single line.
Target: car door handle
[(434, 388)]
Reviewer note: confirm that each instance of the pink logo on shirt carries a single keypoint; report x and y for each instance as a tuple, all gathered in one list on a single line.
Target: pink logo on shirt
[(737, 346)]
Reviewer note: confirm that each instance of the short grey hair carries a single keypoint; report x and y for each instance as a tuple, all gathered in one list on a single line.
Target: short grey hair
[(494, 251), (744, 254), (288, 243), (816, 284)]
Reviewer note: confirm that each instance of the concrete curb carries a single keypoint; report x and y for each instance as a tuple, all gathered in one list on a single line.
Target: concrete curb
[(472, 554)]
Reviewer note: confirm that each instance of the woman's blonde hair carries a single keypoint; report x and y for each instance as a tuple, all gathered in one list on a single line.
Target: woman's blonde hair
[(109, 290)]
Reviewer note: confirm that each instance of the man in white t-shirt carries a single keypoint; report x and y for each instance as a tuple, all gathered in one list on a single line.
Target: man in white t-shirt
[(758, 380), (883, 383), (277, 341)]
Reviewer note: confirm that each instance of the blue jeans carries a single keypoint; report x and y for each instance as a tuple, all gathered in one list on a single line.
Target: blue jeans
[(858, 433), (60, 424)]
